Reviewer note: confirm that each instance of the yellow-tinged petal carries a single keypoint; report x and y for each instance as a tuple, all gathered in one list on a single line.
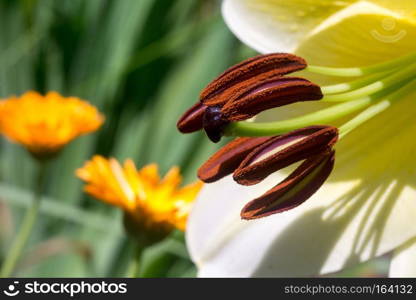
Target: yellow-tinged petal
[(340, 39), (276, 25), (280, 25)]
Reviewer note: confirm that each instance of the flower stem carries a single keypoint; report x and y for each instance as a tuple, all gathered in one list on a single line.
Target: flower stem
[(29, 220), (353, 72), (134, 268)]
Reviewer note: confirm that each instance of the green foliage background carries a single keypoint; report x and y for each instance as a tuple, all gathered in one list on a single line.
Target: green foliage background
[(142, 62)]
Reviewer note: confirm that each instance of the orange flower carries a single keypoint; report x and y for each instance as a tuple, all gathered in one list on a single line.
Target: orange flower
[(153, 203), (44, 124)]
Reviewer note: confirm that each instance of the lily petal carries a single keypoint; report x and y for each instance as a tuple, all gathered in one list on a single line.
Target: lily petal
[(364, 211), (271, 25), (403, 263), (339, 40)]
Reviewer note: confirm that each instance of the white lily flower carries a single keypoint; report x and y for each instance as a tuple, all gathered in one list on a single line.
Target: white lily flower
[(368, 205)]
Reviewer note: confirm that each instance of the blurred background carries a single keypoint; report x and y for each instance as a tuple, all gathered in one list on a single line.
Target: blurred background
[(142, 63)]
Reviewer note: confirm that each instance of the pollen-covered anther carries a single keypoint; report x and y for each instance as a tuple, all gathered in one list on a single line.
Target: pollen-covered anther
[(298, 187), (267, 94), (228, 158), (247, 73), (246, 89), (192, 119), (283, 151)]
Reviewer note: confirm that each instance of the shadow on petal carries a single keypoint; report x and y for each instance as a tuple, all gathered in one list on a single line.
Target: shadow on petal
[(325, 240)]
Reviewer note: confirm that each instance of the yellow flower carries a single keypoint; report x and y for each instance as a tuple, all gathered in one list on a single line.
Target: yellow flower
[(44, 124), (154, 204)]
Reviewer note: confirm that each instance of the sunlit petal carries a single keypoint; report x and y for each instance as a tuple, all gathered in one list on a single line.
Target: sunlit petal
[(339, 40), (279, 25), (276, 25), (364, 211)]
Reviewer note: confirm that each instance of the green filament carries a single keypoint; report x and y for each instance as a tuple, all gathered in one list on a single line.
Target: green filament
[(354, 72), (395, 79), (375, 109), (381, 85)]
